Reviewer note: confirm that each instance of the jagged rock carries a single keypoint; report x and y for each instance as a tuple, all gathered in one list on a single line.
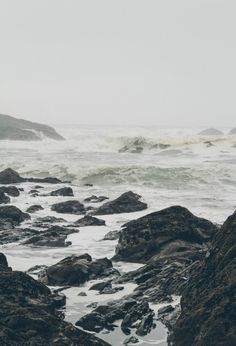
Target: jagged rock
[(12, 235), (55, 236), (13, 214), (94, 322), (75, 270), (46, 221), (95, 199), (126, 203), (208, 302), (12, 191), (4, 199), (131, 340), (112, 235), (69, 207), (146, 324), (30, 315), (100, 286), (172, 232), (88, 220), (165, 310), (65, 191), (211, 132), (133, 315), (34, 208)]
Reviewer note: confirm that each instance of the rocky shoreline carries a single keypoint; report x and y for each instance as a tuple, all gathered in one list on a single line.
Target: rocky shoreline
[(179, 253)]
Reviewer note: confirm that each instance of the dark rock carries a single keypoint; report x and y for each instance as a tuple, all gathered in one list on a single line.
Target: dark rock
[(209, 300), (165, 310), (34, 208), (9, 176), (3, 198), (23, 130), (65, 191), (75, 270), (111, 290), (172, 232), (82, 294), (88, 220), (12, 191), (211, 132), (36, 192), (131, 340), (133, 315), (45, 222), (100, 286), (128, 202), (95, 199), (12, 235), (88, 184), (47, 180), (38, 187), (94, 322), (69, 207), (3, 261), (14, 214), (55, 236), (30, 315), (112, 235), (146, 324)]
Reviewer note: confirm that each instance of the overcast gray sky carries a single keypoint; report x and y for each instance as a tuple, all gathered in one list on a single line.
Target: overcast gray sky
[(164, 62)]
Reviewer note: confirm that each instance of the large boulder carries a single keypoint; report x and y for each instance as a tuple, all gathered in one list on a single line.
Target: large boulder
[(173, 231), (75, 270), (64, 191), (30, 315), (128, 202), (10, 190), (208, 304), (34, 208), (14, 214), (9, 176), (69, 207)]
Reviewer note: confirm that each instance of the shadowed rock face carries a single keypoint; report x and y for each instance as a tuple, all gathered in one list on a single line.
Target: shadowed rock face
[(126, 203), (172, 231), (9, 176), (13, 214), (23, 130), (29, 314), (209, 303)]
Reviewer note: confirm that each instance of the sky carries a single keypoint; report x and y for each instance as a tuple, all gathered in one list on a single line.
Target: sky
[(124, 62)]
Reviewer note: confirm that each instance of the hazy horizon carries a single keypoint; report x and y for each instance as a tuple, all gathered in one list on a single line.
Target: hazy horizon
[(135, 62)]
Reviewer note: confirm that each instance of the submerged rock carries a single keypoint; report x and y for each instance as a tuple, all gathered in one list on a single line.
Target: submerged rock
[(30, 315), (211, 132), (4, 199), (69, 207), (173, 231), (13, 214), (34, 208), (65, 191), (126, 203), (75, 270), (88, 220), (95, 199), (209, 300)]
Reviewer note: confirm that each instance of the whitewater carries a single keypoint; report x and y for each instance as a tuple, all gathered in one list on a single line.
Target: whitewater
[(175, 167)]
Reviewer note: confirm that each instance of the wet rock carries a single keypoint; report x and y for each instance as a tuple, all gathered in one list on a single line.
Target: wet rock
[(82, 294), (133, 315), (165, 310), (9, 176), (34, 208), (13, 214), (95, 199), (112, 235), (12, 191), (172, 232), (89, 220), (94, 322), (65, 191), (30, 315), (4, 199), (45, 222), (55, 236), (12, 235), (47, 180), (3, 261), (101, 285), (69, 207), (88, 184), (209, 300), (211, 132), (128, 202), (131, 340), (75, 270), (146, 324)]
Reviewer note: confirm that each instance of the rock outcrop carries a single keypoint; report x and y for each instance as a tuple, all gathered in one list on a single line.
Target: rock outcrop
[(14, 214), (30, 316), (24, 130), (69, 207), (173, 231), (128, 202), (208, 304), (9, 176), (89, 220), (75, 270), (64, 191)]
